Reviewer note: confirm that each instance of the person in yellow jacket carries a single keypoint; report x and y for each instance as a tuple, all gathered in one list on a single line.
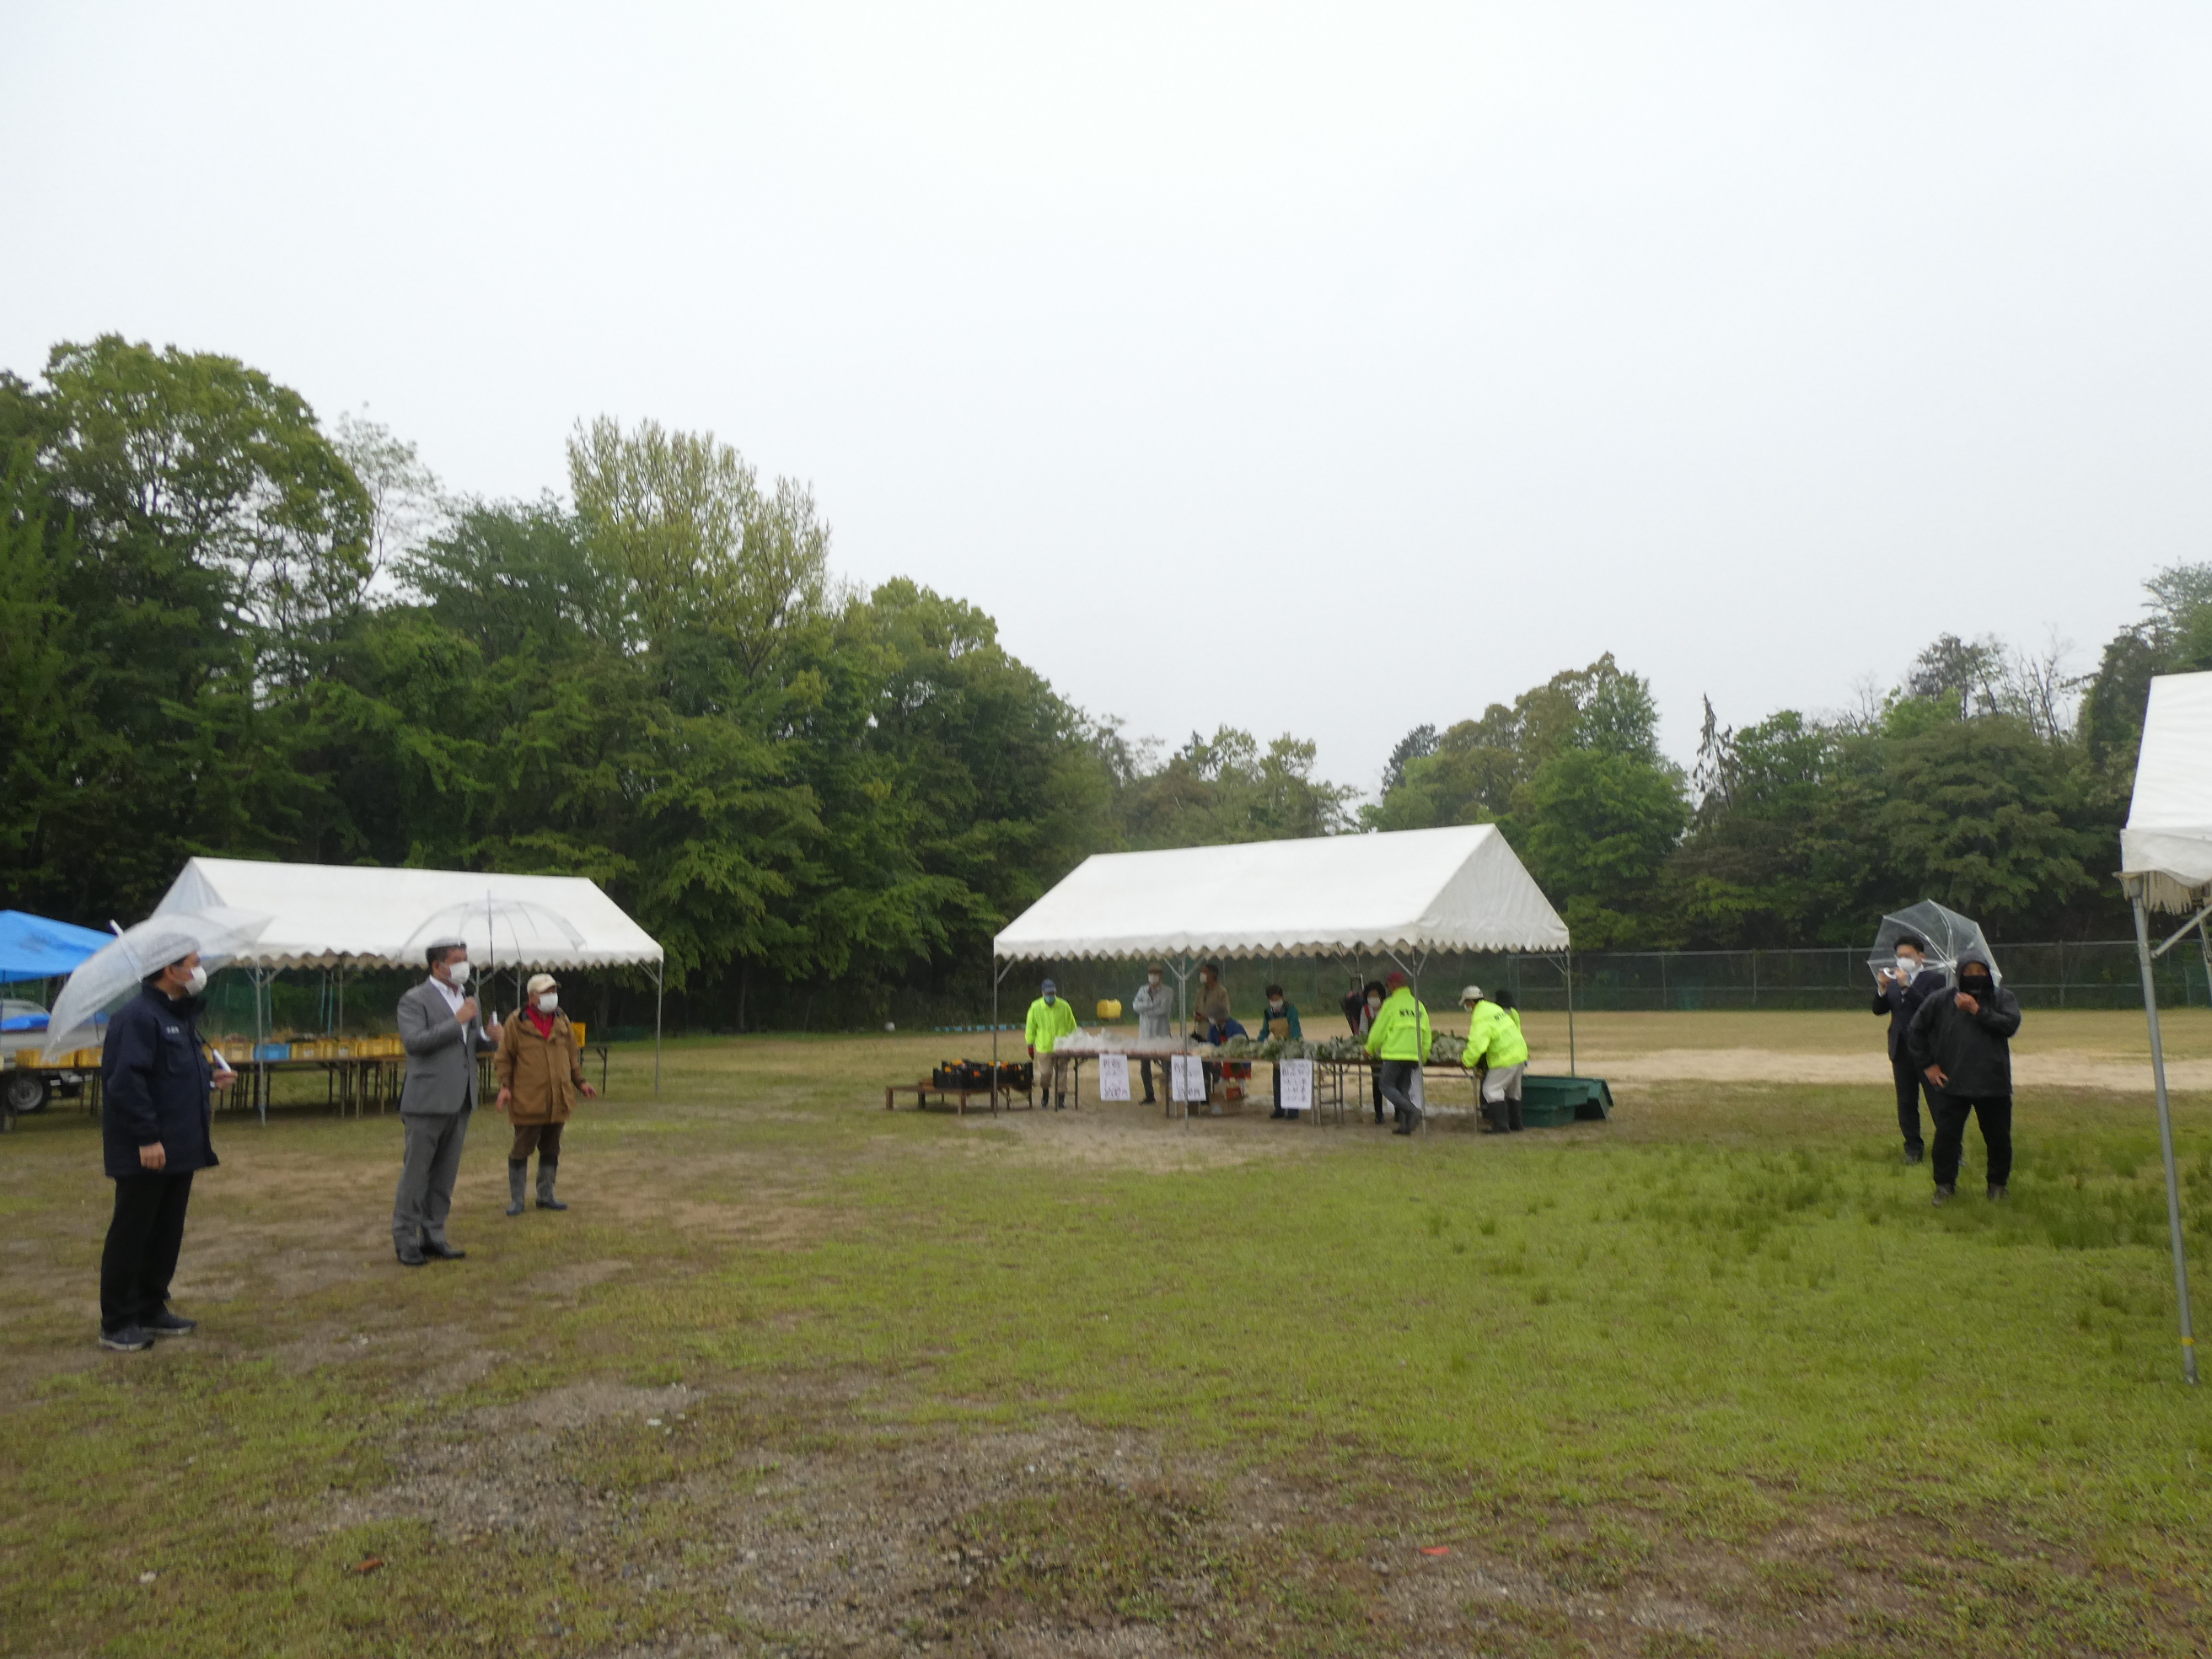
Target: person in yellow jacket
[(1399, 1038), (1051, 1018), (1494, 1040)]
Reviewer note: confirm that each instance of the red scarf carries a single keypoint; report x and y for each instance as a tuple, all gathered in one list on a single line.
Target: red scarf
[(542, 1023)]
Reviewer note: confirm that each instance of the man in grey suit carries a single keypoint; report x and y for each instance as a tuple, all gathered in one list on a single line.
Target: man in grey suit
[(438, 1023)]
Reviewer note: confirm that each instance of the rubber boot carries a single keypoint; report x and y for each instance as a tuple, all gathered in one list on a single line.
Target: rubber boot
[(518, 1173), (546, 1170)]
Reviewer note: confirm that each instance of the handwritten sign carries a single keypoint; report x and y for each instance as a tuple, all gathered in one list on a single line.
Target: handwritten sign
[(1113, 1077), (1186, 1078), (1294, 1091)]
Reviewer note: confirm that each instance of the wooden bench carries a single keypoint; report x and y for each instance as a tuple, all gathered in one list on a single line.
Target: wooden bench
[(959, 1097)]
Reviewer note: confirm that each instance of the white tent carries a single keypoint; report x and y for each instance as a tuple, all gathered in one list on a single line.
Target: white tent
[(2166, 864), (1404, 894), (342, 915)]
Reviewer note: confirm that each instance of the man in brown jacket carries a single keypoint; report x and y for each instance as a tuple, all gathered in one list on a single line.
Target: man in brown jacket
[(540, 1074)]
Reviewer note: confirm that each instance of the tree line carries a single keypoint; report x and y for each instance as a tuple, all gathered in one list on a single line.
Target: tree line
[(228, 627)]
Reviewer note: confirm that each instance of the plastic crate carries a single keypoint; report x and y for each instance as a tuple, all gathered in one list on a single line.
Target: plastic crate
[(273, 1051), (1550, 1102)]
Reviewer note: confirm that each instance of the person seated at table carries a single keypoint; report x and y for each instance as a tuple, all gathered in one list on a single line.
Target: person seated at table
[(1279, 1024), (1051, 1018), (1496, 1046)]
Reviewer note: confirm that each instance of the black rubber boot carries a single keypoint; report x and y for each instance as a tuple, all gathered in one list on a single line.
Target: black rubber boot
[(518, 1174), (546, 1170)]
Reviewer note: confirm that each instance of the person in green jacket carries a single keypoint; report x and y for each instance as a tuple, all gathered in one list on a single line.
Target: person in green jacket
[(1399, 1038), (1050, 1019), (1494, 1040)]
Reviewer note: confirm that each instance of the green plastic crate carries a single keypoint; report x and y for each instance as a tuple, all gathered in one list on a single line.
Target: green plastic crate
[(1548, 1102)]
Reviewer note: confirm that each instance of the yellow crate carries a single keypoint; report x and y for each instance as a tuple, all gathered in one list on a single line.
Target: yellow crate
[(86, 1060)]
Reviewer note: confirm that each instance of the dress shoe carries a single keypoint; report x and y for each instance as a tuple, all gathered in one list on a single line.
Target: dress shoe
[(442, 1251), (166, 1323)]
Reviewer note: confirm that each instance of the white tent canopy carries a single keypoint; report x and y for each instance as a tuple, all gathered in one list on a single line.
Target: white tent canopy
[(2167, 843), (1409, 891), (2166, 864), (324, 915)]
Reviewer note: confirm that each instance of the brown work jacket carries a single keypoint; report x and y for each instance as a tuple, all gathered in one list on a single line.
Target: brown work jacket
[(544, 1073)]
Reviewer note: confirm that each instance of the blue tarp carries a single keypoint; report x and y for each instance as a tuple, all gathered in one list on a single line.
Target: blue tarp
[(32, 947)]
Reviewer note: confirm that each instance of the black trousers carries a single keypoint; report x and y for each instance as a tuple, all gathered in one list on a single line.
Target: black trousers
[(1146, 1067), (1375, 1084), (1910, 1083), (1396, 1080), (142, 1242), (1950, 1112)]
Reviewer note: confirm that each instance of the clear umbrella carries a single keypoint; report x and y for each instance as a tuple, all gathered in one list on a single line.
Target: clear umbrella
[(1947, 934), (519, 931), (113, 971)]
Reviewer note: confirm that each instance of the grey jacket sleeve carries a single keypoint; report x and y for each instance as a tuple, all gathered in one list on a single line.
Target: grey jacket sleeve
[(420, 1032)]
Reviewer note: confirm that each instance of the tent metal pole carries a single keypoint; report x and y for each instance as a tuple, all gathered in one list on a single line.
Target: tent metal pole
[(2164, 1139), (994, 1031), (254, 976), (1570, 976), (659, 992)]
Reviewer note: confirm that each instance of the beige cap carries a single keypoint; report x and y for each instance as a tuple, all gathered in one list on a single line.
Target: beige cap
[(1471, 994), (541, 982)]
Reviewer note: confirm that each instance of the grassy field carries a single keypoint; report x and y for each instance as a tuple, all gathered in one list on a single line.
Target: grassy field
[(798, 1375)]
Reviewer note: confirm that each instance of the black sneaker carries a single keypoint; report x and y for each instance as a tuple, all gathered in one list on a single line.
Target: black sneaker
[(1944, 1195), (1912, 1154), (166, 1323), (1996, 1191), (440, 1251), (129, 1339)]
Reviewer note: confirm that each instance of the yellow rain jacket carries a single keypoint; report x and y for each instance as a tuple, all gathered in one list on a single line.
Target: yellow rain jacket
[(1400, 1030), (1493, 1034), (1049, 1022)]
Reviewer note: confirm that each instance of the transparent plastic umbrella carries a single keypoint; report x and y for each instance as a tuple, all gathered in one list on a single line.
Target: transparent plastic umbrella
[(113, 971), (516, 931), (1947, 934)]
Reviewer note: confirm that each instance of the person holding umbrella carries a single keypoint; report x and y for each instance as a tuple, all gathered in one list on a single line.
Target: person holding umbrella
[(1898, 992), (1963, 1044), (155, 1134), (441, 1026), (540, 1072)]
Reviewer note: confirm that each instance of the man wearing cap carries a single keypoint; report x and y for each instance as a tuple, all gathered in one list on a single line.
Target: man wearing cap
[(1496, 1046), (1050, 1019), (540, 1074), (1399, 1038), (440, 1028)]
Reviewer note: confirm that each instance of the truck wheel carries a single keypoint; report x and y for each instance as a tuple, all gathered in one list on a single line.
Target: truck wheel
[(27, 1092)]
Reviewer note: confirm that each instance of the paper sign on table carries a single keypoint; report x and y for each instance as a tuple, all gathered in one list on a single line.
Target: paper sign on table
[(1113, 1077), (1186, 1078), (1296, 1087)]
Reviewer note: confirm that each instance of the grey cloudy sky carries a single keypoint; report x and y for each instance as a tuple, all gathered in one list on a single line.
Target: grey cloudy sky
[(1317, 368)]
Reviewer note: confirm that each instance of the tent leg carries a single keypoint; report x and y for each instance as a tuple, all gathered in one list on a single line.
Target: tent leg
[(260, 1064), (2166, 1142), (1570, 975), (659, 992), (994, 1033)]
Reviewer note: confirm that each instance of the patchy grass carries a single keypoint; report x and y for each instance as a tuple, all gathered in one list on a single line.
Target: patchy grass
[(798, 1375)]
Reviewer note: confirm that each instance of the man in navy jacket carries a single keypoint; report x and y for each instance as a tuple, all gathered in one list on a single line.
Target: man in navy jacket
[(1899, 992), (154, 1122)]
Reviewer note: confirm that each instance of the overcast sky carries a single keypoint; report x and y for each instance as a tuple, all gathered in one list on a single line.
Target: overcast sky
[(1318, 370)]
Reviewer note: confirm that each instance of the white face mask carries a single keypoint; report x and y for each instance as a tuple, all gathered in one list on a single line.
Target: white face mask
[(196, 981), (549, 1002), (1374, 1002), (1276, 1006), (1907, 967), (457, 973)]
